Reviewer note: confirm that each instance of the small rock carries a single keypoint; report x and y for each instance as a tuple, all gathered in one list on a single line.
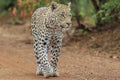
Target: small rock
[(114, 57)]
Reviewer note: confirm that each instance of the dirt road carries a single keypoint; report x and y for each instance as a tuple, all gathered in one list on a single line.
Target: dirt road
[(17, 61)]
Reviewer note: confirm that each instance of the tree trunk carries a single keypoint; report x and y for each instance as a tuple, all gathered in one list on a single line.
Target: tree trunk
[(77, 16), (96, 6)]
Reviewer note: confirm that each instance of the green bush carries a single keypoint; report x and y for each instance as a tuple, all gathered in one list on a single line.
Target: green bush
[(6, 4), (109, 11)]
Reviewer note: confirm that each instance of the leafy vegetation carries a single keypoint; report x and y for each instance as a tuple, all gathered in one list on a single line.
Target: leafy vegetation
[(6, 4), (109, 11), (93, 11)]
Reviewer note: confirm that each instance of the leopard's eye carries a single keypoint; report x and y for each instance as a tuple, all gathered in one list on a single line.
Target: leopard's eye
[(70, 15), (62, 14)]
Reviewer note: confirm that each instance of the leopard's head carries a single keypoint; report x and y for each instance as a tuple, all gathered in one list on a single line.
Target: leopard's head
[(61, 15)]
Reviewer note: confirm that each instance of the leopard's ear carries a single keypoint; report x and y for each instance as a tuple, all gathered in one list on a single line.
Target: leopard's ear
[(53, 5), (69, 4)]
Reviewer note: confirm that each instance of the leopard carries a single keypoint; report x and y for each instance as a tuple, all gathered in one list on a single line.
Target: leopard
[(48, 24)]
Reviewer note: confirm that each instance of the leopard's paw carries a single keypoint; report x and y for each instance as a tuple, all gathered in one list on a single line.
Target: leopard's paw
[(55, 74), (38, 73)]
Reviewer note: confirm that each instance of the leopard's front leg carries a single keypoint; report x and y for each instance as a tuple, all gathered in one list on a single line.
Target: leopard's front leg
[(55, 53), (41, 45), (37, 53), (43, 59)]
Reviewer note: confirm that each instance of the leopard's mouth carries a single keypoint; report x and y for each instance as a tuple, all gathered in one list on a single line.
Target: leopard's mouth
[(65, 26), (62, 26)]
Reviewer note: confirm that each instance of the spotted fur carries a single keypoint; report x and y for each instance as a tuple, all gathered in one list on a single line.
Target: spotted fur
[(48, 24)]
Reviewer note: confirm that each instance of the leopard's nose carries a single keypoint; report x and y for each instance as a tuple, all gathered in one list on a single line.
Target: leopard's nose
[(68, 24)]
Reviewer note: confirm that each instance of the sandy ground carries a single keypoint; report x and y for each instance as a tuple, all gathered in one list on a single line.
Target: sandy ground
[(17, 61)]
